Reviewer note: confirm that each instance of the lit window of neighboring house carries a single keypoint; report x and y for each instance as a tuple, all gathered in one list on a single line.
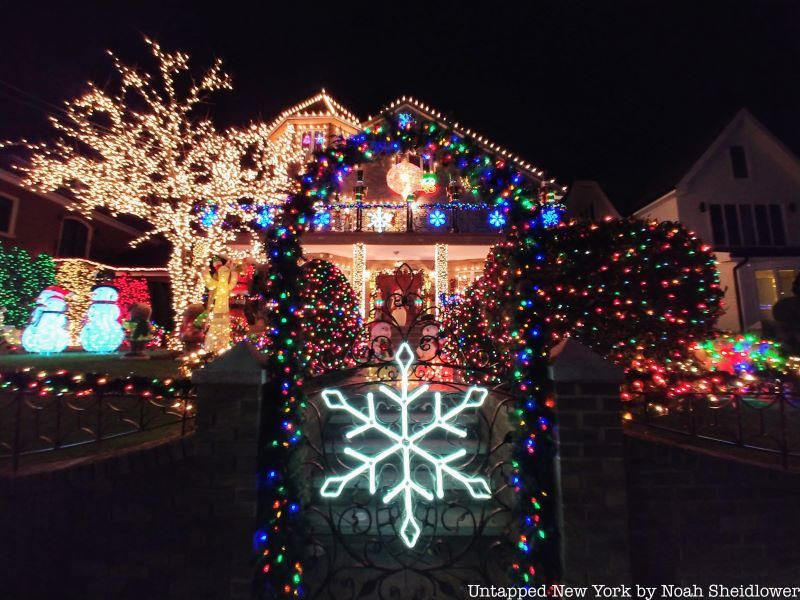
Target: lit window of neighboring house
[(74, 239), (773, 285), (736, 225), (8, 214)]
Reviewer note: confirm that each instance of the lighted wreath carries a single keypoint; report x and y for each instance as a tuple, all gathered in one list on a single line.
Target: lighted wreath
[(522, 209)]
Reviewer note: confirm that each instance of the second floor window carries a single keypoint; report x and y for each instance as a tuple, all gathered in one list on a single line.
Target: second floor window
[(74, 241), (747, 225)]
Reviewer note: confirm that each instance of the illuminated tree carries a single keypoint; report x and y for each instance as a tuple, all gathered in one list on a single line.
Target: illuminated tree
[(149, 151)]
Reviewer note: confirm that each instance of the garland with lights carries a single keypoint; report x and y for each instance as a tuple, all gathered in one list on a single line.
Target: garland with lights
[(64, 382), (21, 280), (280, 540)]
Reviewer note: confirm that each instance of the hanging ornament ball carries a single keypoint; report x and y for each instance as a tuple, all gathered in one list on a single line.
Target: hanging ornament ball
[(404, 178)]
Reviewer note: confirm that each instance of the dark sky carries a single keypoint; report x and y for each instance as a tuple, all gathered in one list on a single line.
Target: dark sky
[(610, 90)]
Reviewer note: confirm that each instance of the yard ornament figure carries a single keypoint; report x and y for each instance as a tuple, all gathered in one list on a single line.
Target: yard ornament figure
[(406, 444), (220, 284), (47, 332), (102, 332)]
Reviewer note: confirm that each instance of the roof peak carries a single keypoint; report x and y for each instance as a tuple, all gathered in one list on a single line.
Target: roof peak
[(327, 106)]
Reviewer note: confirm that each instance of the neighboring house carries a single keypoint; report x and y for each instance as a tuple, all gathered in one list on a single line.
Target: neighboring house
[(741, 195), (43, 222), (587, 200)]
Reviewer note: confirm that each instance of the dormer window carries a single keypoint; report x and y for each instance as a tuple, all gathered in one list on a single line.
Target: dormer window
[(739, 162)]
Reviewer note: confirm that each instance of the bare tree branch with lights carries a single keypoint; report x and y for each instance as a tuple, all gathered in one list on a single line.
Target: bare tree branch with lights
[(149, 151)]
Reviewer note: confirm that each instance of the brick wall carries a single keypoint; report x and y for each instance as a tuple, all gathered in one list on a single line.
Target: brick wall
[(698, 518), (170, 521)]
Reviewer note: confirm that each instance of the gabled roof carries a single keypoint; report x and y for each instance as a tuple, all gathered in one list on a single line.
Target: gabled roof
[(319, 105), (689, 151), (489, 146), (743, 117)]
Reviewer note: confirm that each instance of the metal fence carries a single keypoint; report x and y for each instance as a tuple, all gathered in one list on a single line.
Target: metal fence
[(32, 423), (766, 423)]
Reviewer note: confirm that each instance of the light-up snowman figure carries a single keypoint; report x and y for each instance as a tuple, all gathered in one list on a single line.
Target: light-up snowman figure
[(47, 332), (102, 332)]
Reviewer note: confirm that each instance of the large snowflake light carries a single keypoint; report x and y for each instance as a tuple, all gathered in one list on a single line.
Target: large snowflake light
[(380, 220), (406, 444)]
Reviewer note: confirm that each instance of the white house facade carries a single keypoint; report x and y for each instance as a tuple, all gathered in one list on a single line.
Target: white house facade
[(741, 196)]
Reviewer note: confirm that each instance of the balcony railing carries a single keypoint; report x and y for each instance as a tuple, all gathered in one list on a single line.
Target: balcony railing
[(398, 218)]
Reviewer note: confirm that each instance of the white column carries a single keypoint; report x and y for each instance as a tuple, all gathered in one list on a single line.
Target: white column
[(359, 276), (440, 271)]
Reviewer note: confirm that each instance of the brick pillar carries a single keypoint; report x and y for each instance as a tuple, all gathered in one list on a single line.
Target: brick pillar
[(226, 449), (591, 467)]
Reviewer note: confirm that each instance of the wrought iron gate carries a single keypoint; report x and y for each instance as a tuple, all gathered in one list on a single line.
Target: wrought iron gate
[(360, 540)]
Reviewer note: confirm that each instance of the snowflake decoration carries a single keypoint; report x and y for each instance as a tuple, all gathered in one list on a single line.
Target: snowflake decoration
[(406, 445), (497, 218), (322, 219), (437, 218), (380, 220), (405, 120), (550, 217), (264, 217), (209, 216)]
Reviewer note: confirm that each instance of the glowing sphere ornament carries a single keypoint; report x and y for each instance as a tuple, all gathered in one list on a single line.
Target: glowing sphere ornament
[(47, 332), (102, 332), (405, 442), (404, 178)]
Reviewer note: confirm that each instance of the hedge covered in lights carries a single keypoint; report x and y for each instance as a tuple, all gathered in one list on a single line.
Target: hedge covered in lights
[(22, 277), (631, 290)]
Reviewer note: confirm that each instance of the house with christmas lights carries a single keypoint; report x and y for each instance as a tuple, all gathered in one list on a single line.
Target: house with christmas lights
[(741, 195), (401, 208)]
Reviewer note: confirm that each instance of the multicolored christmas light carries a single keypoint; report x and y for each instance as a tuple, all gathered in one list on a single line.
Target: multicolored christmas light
[(490, 178)]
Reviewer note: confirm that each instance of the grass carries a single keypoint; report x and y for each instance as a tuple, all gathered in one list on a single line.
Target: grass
[(162, 363)]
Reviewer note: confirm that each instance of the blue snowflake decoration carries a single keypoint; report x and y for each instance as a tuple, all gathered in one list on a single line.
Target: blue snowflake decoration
[(264, 218), (209, 216), (497, 219), (404, 120), (437, 218), (322, 219), (551, 216)]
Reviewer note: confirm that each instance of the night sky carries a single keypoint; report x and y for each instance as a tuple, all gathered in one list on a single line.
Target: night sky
[(612, 91)]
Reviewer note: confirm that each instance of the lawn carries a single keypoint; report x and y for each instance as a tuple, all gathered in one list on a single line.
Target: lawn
[(162, 363)]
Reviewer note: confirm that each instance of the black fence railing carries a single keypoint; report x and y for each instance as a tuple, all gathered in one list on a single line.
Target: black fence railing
[(33, 423), (766, 423)]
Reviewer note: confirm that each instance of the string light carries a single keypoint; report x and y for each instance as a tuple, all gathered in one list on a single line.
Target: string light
[(21, 279), (359, 275), (441, 271), (78, 276)]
